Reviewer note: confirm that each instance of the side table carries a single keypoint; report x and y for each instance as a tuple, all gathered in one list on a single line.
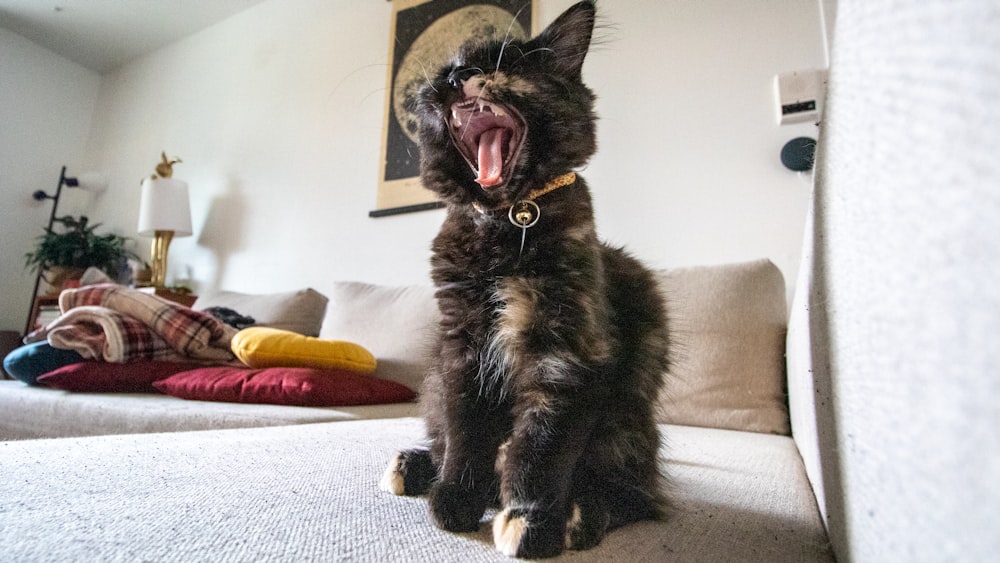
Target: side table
[(185, 299)]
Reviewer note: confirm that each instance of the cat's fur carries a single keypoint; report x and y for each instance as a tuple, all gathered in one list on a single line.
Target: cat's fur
[(549, 356)]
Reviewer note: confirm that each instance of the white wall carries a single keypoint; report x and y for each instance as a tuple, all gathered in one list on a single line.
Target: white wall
[(46, 105), (277, 113), (688, 169)]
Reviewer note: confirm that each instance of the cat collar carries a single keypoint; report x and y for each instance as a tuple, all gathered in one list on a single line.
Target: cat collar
[(516, 213), (525, 213)]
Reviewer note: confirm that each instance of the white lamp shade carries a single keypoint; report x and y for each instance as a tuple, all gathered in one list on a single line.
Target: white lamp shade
[(164, 207)]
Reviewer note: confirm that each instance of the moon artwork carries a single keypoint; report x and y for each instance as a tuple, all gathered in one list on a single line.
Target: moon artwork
[(425, 35), (434, 45)]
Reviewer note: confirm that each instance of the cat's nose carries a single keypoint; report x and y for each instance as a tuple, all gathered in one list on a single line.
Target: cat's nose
[(473, 87)]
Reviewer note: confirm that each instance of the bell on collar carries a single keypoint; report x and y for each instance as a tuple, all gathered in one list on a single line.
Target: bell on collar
[(524, 213)]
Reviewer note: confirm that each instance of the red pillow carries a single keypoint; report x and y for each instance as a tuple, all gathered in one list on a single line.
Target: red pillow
[(304, 387), (110, 377)]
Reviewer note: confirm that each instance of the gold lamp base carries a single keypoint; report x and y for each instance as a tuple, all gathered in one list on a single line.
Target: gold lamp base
[(158, 256)]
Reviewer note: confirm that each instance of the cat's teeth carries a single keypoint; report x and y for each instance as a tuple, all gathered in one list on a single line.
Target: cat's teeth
[(455, 120), (495, 110)]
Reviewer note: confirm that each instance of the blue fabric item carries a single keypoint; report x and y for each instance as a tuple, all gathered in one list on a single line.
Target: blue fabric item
[(29, 362)]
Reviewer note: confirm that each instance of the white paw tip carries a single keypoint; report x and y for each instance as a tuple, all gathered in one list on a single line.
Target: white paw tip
[(392, 479), (575, 519), (507, 532)]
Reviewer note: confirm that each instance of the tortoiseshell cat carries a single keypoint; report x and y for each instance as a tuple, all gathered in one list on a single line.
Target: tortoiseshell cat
[(552, 346)]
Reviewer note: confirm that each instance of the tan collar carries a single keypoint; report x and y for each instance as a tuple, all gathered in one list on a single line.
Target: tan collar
[(554, 184)]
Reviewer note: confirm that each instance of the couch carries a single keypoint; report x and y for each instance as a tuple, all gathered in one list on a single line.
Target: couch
[(891, 376), (205, 480)]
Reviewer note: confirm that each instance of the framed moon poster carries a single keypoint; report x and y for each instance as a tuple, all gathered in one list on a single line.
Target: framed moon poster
[(425, 33)]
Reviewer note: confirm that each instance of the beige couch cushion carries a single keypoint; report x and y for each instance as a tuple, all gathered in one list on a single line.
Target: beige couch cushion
[(728, 326), (298, 311), (309, 493), (727, 322), (396, 324)]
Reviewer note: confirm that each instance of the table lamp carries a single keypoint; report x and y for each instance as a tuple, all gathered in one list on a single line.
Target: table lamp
[(164, 212)]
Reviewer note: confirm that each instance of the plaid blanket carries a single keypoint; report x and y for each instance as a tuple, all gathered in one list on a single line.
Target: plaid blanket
[(116, 324)]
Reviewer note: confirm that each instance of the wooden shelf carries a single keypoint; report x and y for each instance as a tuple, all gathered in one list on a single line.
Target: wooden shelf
[(41, 310)]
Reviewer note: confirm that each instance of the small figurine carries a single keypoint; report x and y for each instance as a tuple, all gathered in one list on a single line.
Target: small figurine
[(165, 169)]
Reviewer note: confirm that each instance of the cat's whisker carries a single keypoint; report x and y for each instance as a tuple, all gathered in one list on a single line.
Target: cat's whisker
[(479, 98), (427, 78), (538, 50), (370, 94), (423, 67), (352, 74), (502, 47), (506, 37)]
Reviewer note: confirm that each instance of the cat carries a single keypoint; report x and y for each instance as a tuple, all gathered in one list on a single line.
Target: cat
[(552, 345)]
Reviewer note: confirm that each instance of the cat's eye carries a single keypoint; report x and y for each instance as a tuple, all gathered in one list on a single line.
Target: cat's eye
[(460, 75)]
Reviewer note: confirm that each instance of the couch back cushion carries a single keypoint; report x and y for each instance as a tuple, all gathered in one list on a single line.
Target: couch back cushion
[(727, 326), (297, 311), (396, 324)]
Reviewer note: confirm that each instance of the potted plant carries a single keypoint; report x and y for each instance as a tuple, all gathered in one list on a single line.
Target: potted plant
[(65, 255)]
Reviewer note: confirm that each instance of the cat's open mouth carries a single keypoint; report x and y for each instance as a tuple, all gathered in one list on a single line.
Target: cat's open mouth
[(489, 136)]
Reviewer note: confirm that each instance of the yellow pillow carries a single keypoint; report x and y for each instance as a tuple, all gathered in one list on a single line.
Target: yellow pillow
[(262, 347)]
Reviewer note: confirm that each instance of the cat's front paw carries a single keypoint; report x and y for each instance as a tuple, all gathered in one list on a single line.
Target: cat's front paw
[(522, 532), (587, 524), (410, 472), (455, 508)]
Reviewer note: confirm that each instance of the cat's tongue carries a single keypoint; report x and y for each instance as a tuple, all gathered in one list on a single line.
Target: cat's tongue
[(491, 157)]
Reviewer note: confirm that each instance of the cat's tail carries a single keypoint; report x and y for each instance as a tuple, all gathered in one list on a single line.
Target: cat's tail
[(410, 472)]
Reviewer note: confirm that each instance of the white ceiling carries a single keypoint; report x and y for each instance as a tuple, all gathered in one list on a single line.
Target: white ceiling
[(105, 34)]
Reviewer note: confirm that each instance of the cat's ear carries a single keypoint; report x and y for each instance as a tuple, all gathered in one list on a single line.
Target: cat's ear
[(569, 37)]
